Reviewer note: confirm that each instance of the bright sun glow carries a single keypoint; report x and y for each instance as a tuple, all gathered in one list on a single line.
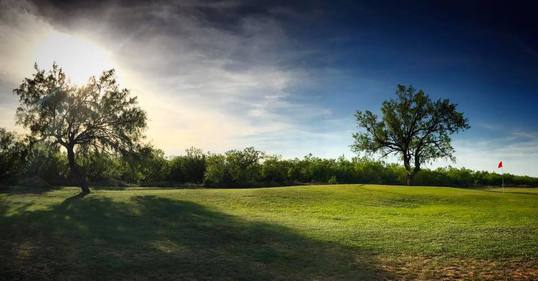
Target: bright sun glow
[(79, 57)]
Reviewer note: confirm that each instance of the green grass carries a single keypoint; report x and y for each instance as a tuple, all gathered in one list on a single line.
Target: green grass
[(338, 232)]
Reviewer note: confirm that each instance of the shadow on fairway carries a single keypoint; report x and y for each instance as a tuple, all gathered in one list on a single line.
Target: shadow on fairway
[(27, 190), (154, 238)]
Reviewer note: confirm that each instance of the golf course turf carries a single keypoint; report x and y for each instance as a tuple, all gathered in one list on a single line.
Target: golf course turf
[(331, 232)]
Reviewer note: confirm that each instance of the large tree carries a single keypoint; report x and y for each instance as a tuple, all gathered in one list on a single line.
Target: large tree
[(98, 115), (412, 126)]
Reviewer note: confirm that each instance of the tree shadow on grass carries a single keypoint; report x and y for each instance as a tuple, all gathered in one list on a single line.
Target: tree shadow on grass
[(20, 189), (154, 238)]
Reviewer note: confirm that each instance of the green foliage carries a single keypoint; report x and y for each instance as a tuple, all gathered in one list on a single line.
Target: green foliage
[(332, 180), (47, 162), (103, 168), (244, 165), (413, 127), (235, 167), (216, 170), (188, 168), (275, 170), (13, 155), (146, 165)]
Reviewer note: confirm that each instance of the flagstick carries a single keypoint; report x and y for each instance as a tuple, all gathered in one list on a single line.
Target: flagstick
[(502, 177)]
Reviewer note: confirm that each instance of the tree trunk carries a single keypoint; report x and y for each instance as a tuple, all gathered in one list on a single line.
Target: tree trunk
[(409, 174), (76, 172), (409, 179)]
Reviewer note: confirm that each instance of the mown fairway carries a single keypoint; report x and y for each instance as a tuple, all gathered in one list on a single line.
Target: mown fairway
[(339, 232)]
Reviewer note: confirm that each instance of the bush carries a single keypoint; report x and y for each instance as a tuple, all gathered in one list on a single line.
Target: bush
[(147, 165), (48, 163), (332, 180), (235, 168), (102, 169), (274, 170), (216, 170), (13, 155), (189, 168)]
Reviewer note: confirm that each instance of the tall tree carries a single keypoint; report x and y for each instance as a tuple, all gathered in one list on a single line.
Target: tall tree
[(99, 115), (413, 127)]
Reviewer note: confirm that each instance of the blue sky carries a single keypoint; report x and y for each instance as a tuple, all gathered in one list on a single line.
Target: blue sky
[(286, 77)]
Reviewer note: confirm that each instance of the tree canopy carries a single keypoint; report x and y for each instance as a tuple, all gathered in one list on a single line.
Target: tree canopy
[(412, 126), (96, 116)]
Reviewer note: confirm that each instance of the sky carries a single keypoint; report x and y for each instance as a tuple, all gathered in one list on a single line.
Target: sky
[(287, 76)]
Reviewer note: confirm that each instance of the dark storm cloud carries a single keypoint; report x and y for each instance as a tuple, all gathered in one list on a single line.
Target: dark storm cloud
[(246, 20)]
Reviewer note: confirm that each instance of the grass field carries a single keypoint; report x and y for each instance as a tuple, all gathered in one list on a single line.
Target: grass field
[(337, 232)]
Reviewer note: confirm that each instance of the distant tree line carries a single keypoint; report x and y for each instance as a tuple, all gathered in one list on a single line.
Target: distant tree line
[(27, 162)]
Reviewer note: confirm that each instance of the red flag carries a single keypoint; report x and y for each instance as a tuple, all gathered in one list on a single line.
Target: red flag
[(500, 164)]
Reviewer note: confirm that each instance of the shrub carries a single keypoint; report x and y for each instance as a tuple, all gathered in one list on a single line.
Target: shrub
[(216, 170), (189, 168), (274, 170), (48, 163), (13, 155)]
